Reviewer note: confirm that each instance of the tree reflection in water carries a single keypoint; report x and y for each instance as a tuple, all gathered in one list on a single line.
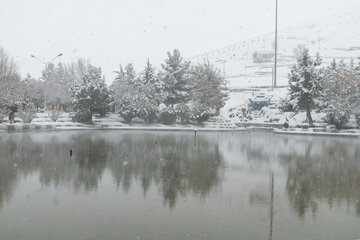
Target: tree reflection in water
[(169, 161), (316, 169), (323, 170)]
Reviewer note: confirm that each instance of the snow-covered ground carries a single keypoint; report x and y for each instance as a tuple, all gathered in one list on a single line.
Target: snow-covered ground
[(334, 38), (237, 111)]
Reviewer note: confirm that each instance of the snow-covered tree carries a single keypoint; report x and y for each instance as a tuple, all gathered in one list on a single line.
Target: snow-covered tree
[(150, 84), (34, 89), (175, 78), (208, 86), (91, 96), (26, 109), (200, 112), (342, 93), (11, 91), (124, 84), (57, 91), (127, 107), (305, 84)]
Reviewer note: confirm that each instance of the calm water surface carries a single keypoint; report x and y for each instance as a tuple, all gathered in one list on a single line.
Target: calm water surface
[(162, 185)]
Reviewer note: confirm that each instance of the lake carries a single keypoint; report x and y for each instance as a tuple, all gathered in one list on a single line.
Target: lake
[(175, 185)]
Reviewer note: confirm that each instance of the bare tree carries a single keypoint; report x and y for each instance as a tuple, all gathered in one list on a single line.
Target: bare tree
[(10, 90)]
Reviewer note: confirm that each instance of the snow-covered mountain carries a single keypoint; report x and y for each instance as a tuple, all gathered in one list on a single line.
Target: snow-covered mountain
[(250, 63)]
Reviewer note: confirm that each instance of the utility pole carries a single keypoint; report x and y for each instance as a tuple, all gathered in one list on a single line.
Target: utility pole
[(275, 61), (223, 62)]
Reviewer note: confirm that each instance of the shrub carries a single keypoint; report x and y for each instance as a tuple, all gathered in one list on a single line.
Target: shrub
[(167, 115), (200, 113)]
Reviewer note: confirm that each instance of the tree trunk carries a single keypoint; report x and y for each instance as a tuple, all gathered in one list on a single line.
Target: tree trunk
[(308, 117), (12, 117)]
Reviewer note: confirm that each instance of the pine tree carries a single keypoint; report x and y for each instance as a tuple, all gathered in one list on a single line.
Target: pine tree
[(91, 96), (175, 78), (208, 86), (305, 84), (124, 84), (150, 85)]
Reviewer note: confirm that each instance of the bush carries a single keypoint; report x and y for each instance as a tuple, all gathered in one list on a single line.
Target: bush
[(148, 111), (167, 115), (337, 118), (83, 116), (55, 114), (127, 108), (200, 113), (286, 105), (183, 112)]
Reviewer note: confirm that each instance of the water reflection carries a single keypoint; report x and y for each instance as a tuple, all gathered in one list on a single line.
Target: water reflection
[(322, 170), (169, 162), (316, 169)]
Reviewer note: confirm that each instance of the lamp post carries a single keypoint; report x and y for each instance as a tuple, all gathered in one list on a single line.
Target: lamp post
[(223, 62), (46, 63), (275, 60)]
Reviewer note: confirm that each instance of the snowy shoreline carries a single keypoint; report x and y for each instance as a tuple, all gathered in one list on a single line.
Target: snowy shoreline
[(78, 126), (5, 128)]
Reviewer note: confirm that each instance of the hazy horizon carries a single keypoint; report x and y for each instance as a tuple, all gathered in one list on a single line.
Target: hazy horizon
[(119, 32)]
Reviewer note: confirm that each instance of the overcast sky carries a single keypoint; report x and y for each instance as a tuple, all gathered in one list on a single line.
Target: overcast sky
[(110, 32)]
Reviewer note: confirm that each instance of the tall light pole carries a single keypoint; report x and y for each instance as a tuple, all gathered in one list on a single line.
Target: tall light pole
[(46, 63), (223, 62), (275, 60)]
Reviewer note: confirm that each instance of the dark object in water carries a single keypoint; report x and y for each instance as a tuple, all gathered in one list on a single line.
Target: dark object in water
[(70, 153)]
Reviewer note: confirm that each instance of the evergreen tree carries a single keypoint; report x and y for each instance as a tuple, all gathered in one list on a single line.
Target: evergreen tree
[(208, 86), (305, 84), (150, 85), (124, 84), (91, 96), (175, 78)]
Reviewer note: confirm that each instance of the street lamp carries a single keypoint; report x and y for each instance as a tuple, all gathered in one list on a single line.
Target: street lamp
[(275, 60), (46, 63), (223, 62)]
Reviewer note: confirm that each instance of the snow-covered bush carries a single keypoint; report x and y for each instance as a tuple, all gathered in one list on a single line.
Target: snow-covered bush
[(147, 109), (27, 110), (183, 112), (167, 115), (55, 114), (287, 105), (83, 115), (127, 107), (337, 118), (200, 113)]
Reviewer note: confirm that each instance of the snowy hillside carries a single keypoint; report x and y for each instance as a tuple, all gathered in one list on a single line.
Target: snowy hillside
[(250, 63)]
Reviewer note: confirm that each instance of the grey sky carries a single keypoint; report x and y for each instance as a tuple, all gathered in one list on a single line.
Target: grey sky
[(110, 32)]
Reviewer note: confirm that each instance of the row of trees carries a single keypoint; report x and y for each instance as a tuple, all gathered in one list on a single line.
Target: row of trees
[(15, 94), (179, 91), (334, 89)]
